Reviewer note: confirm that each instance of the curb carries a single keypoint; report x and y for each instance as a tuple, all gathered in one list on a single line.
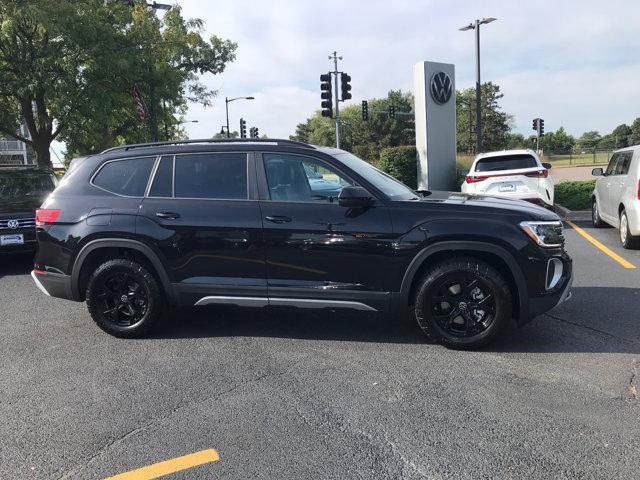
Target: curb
[(567, 214)]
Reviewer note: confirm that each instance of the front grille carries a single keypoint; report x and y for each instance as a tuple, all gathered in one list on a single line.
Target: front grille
[(22, 223)]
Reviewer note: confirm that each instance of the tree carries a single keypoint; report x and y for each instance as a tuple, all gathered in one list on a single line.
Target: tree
[(495, 123), (365, 139), (516, 140), (220, 135), (67, 68), (621, 135), (589, 140), (557, 142), (634, 136)]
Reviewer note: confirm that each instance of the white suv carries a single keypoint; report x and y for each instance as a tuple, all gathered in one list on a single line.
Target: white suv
[(515, 174), (616, 198)]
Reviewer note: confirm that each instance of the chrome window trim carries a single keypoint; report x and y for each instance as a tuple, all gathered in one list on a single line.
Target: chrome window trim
[(152, 176), (119, 160)]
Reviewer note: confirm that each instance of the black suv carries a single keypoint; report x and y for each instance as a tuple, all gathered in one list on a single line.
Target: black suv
[(257, 223), (22, 190)]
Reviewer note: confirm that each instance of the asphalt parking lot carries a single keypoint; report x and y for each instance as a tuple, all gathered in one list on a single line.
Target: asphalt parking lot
[(298, 395)]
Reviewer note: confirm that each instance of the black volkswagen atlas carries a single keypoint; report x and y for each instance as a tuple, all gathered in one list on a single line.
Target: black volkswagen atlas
[(256, 223)]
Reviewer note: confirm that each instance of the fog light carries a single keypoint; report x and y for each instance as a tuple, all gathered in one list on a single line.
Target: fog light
[(554, 273)]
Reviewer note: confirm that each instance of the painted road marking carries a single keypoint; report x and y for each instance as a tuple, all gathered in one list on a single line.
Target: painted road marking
[(604, 249), (169, 466)]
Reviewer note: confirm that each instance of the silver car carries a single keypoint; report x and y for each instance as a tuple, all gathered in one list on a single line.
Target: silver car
[(616, 197)]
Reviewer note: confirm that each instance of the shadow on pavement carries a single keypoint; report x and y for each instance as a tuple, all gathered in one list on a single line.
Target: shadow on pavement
[(15, 264)]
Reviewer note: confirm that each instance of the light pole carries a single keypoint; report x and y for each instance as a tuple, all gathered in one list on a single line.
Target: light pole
[(476, 26), (227, 101)]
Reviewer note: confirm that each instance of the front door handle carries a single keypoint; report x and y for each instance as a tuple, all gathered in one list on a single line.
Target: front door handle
[(277, 219), (167, 215)]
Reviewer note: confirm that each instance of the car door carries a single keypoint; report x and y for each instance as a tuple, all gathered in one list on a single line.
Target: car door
[(604, 190), (619, 182), (202, 214), (319, 253)]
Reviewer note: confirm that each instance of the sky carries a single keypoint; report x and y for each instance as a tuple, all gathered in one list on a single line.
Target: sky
[(574, 63)]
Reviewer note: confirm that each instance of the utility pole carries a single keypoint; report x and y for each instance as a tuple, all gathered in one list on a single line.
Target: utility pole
[(335, 72)]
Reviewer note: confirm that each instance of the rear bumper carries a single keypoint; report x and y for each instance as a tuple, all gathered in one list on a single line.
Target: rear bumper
[(533, 197), (53, 284)]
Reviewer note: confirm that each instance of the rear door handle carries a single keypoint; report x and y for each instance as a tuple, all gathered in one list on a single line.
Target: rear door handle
[(277, 219), (167, 215)]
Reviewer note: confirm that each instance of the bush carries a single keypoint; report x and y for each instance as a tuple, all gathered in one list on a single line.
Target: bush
[(401, 163), (575, 195)]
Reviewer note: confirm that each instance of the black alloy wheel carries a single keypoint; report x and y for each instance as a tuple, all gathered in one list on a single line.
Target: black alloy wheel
[(124, 300)]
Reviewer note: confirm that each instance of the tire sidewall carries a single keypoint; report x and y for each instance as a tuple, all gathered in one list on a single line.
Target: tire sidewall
[(496, 284), (148, 283)]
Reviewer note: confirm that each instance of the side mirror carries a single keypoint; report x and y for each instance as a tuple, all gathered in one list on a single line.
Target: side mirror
[(547, 165), (464, 173), (354, 197), (597, 172)]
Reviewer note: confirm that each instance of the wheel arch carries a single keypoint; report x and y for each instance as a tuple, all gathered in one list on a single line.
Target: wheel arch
[(495, 255), (96, 250)]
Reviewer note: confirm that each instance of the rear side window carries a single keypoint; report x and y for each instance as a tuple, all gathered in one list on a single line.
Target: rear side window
[(125, 177), (211, 175), (506, 162)]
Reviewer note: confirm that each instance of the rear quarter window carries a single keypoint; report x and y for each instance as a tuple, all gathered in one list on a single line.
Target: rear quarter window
[(506, 162), (127, 177)]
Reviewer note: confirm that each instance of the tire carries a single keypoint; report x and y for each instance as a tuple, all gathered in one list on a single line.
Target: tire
[(626, 239), (124, 298), (595, 215), (469, 283)]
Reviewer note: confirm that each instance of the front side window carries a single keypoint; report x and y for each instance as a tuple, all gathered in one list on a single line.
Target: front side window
[(212, 175), (611, 168), (162, 185), (292, 178), (622, 167), (125, 177)]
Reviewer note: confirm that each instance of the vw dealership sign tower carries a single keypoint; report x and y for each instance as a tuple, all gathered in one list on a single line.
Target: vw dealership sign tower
[(435, 109)]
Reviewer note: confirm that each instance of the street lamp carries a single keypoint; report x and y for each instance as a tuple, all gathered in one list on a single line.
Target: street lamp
[(154, 5), (476, 26), (227, 101), (187, 121)]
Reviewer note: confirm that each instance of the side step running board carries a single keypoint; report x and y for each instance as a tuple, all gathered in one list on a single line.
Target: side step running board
[(289, 302)]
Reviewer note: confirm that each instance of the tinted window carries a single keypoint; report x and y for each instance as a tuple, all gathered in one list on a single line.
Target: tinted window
[(162, 185), (506, 162), (622, 167), (125, 177), (20, 184), (612, 164), (213, 175), (301, 179)]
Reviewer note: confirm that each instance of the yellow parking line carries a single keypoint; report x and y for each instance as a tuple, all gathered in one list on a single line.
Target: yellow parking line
[(604, 249), (169, 466)]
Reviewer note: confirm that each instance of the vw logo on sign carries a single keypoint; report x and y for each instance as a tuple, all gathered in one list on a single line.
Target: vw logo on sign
[(441, 87), (13, 224)]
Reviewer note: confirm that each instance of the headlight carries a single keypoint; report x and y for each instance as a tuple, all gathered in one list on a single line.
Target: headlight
[(545, 234)]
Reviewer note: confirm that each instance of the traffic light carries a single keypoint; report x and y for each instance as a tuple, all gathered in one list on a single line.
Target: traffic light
[(326, 95), (392, 111), (345, 86), (253, 132), (541, 126), (365, 110), (243, 128), (535, 124)]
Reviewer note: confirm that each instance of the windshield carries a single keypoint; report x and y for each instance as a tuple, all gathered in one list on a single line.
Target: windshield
[(18, 185), (388, 185)]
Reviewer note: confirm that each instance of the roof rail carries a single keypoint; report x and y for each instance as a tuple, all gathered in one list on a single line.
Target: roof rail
[(208, 140)]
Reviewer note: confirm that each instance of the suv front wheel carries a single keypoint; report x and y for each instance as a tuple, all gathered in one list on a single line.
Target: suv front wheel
[(463, 303), (124, 298)]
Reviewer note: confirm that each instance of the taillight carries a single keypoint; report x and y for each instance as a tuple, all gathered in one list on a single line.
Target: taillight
[(470, 179), (45, 216), (638, 189), (538, 174)]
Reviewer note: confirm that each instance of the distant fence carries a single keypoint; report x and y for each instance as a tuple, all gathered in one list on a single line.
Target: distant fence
[(579, 157)]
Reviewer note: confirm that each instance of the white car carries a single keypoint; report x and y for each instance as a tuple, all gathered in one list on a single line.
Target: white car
[(616, 197), (517, 174)]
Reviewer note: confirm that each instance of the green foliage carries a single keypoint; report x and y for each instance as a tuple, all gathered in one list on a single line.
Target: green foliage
[(401, 163), (557, 142), (67, 67), (495, 123), (575, 195), (634, 136), (589, 140), (366, 139)]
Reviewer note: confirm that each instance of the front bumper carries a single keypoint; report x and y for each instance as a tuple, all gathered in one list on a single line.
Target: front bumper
[(540, 305), (53, 284)]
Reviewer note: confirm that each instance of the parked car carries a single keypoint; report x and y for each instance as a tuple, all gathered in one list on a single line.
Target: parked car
[(616, 196), (140, 227), (517, 174), (22, 190)]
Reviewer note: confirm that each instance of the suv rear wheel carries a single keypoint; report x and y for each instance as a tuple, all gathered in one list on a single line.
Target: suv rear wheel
[(124, 298), (627, 240), (463, 303)]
